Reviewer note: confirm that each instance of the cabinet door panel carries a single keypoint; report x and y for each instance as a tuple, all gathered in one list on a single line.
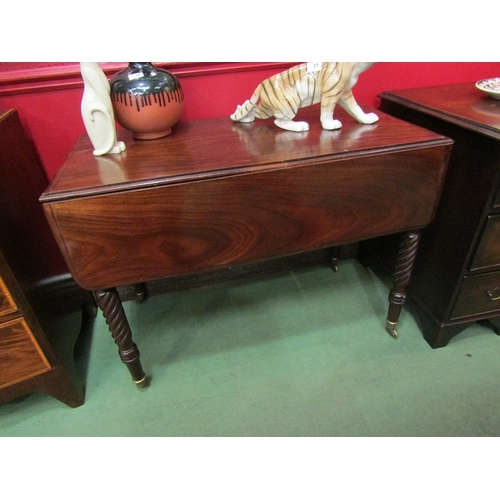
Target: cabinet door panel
[(20, 354)]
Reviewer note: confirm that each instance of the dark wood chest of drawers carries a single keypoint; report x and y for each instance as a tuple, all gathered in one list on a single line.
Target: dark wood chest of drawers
[(40, 305), (456, 278)]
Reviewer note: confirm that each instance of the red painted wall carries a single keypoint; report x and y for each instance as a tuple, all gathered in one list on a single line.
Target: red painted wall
[(51, 116)]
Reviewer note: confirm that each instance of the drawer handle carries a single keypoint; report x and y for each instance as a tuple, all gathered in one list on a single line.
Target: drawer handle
[(494, 294)]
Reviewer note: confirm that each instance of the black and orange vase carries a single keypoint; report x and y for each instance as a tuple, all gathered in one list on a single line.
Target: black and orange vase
[(146, 100)]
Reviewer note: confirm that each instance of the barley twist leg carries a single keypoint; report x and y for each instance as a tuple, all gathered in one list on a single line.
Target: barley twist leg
[(110, 304), (401, 278)]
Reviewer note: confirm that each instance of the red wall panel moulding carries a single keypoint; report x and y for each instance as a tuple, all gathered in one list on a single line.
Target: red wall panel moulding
[(18, 78)]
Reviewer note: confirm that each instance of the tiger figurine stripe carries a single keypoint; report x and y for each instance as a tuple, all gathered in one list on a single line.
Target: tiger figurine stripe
[(282, 95)]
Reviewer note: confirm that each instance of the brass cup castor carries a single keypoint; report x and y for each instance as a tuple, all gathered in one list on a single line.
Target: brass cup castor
[(140, 384), (390, 326)]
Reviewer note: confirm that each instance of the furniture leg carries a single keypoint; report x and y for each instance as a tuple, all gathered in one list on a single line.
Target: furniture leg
[(334, 262), (111, 306), (401, 278), (140, 293)]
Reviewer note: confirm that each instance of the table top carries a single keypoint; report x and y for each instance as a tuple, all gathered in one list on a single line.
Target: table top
[(218, 147), (462, 104)]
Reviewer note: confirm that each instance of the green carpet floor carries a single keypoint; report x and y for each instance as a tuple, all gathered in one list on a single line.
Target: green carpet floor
[(300, 353)]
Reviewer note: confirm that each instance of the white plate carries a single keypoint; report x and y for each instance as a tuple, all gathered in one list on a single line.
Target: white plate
[(491, 86)]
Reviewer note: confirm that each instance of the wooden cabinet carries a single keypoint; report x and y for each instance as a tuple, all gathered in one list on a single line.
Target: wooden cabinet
[(456, 278), (40, 305)]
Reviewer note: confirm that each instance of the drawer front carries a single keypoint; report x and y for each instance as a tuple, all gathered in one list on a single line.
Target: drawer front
[(7, 304), (488, 251), (478, 295), (20, 355)]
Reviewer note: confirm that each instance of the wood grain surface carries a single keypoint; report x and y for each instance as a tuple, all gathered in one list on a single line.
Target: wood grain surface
[(219, 194)]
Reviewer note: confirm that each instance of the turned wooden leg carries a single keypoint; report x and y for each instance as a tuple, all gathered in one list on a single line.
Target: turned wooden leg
[(111, 306), (401, 278)]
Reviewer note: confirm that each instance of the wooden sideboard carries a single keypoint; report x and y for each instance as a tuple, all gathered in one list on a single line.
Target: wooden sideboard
[(217, 194), (41, 307), (456, 278)]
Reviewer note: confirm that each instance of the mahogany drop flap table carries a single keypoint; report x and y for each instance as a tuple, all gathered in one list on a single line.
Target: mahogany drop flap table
[(216, 194)]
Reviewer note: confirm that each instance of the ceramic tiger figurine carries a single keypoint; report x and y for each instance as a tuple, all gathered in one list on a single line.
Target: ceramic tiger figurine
[(282, 95)]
